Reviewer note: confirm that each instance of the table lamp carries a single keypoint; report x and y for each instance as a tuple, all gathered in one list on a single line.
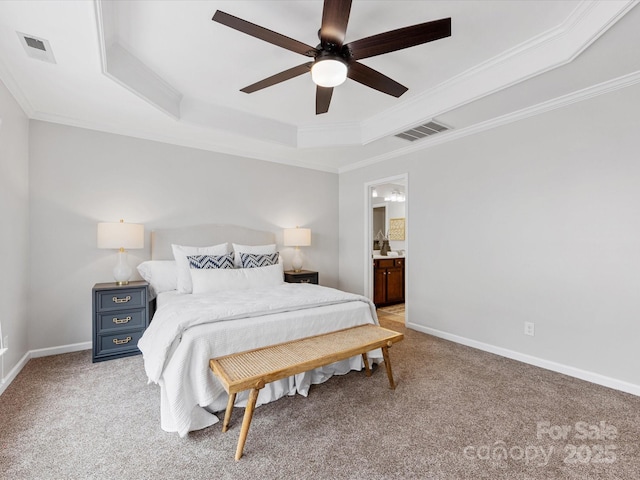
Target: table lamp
[(121, 236), (297, 237)]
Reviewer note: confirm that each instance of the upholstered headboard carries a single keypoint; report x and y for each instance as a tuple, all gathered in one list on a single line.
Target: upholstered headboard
[(204, 235)]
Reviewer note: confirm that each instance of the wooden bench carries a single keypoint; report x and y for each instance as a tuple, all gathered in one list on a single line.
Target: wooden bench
[(255, 368)]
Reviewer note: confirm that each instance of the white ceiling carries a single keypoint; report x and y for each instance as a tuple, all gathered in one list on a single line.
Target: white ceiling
[(163, 70)]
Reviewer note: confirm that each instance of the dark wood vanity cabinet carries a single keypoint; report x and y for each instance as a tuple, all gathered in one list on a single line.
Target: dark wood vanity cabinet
[(388, 281)]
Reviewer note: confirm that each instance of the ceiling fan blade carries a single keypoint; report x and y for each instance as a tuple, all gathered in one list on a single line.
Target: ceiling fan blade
[(374, 79), (278, 77), (323, 99), (335, 16), (401, 38), (263, 33)]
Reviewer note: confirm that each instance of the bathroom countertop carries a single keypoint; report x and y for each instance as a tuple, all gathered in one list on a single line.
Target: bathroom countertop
[(375, 257)]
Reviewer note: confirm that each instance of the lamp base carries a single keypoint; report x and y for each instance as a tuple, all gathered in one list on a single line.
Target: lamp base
[(122, 271), (296, 263)]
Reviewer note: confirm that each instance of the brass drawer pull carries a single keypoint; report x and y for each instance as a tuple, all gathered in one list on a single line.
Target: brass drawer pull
[(121, 300), (121, 342), (120, 321)]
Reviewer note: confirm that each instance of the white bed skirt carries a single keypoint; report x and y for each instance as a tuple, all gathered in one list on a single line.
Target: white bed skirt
[(190, 392), (203, 417)]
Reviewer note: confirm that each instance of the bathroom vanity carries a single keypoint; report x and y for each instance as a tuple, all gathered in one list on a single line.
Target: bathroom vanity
[(388, 280)]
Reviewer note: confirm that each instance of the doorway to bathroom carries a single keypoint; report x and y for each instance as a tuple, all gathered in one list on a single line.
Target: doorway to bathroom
[(386, 247)]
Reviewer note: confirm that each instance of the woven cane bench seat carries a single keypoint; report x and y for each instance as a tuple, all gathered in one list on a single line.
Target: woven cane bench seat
[(255, 368)]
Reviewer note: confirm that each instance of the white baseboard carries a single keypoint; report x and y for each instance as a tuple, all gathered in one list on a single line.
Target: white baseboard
[(74, 347), (6, 381), (504, 352), (531, 360), (41, 352)]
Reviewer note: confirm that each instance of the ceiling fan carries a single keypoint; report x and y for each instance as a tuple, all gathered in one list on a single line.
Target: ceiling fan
[(333, 60)]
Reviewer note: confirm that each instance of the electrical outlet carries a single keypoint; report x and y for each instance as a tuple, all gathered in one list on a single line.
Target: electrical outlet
[(529, 328)]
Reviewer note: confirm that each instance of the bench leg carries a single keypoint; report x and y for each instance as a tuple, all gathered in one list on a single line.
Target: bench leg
[(246, 421), (366, 364), (227, 413), (387, 363)]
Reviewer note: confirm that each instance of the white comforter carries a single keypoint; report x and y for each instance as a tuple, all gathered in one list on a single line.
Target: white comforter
[(190, 329)]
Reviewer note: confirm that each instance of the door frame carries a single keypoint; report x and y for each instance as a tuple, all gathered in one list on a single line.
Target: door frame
[(368, 234)]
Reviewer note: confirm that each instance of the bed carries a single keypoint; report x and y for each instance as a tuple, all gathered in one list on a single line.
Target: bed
[(228, 310)]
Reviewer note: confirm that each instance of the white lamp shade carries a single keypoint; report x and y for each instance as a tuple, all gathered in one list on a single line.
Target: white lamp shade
[(120, 235), (297, 237)]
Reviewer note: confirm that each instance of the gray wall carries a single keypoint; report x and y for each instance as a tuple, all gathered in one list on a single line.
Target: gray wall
[(536, 221), (14, 236), (81, 177)]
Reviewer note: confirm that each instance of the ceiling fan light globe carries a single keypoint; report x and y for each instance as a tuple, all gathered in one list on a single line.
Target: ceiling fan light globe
[(328, 72)]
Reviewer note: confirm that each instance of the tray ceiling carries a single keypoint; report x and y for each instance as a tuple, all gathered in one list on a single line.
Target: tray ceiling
[(163, 70)]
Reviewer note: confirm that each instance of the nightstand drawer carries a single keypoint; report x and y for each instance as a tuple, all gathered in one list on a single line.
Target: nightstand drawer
[(121, 320), (122, 342), (304, 276), (121, 299), (306, 279)]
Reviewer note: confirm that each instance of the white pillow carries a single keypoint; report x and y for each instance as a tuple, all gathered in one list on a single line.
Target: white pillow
[(216, 280), (180, 253), (238, 249), (162, 276)]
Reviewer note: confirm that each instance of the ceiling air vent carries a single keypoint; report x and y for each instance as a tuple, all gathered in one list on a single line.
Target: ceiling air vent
[(422, 131), (37, 47), (35, 43)]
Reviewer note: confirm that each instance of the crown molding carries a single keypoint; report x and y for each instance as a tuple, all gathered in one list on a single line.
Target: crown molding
[(211, 144), (15, 90), (559, 102)]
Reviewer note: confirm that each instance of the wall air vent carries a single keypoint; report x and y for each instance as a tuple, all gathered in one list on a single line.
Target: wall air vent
[(37, 47), (422, 131)]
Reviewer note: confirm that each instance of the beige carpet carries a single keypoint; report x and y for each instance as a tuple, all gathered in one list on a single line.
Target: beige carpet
[(457, 413)]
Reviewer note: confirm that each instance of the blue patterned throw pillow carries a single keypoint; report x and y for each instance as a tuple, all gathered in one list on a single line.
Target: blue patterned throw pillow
[(203, 262), (254, 260)]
